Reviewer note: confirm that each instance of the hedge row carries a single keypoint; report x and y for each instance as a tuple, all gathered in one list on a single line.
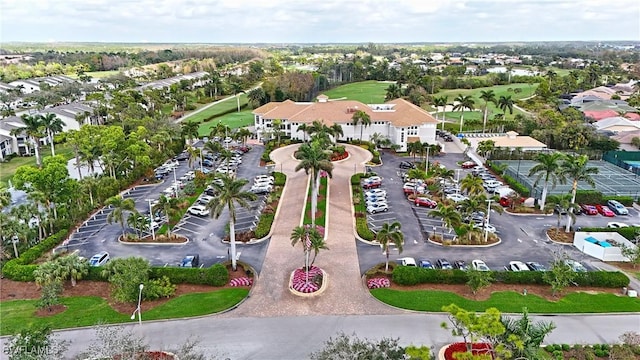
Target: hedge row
[(596, 197), (408, 275), (217, 275), (264, 225), (20, 269), (629, 233), (360, 210), (515, 185)]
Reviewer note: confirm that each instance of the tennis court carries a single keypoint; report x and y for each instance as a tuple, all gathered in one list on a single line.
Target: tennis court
[(610, 180)]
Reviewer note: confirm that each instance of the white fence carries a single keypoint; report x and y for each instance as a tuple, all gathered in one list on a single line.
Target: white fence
[(602, 245)]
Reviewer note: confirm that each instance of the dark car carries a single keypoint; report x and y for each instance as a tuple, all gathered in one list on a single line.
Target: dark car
[(444, 264), (426, 264), (448, 138), (406, 165), (190, 261), (422, 201), (536, 266), (460, 265), (208, 162)]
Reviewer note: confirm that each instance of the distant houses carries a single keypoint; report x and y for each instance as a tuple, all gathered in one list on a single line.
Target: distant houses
[(27, 86)]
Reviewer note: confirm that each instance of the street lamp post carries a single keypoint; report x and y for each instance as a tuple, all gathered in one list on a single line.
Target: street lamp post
[(426, 164), (458, 180), (486, 229), (201, 161), (151, 220), (138, 310), (175, 182)]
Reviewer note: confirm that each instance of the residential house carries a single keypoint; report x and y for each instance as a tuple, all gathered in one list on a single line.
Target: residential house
[(616, 124), (198, 79), (31, 85), (73, 115), (511, 140), (399, 120)]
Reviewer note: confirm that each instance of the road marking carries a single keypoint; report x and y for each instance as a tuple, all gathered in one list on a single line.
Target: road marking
[(535, 241), (519, 240), (524, 231), (539, 218)]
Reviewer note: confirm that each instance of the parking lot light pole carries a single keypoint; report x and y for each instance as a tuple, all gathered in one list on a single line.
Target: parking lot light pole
[(486, 229), (458, 180), (175, 182), (201, 160), (138, 309), (151, 220)]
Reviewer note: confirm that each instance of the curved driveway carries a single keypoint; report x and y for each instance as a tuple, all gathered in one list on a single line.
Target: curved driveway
[(345, 294)]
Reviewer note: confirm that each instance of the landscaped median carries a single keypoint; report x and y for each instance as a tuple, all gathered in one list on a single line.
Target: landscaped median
[(420, 289)]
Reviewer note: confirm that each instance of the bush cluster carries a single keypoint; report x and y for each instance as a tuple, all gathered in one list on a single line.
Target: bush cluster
[(20, 269), (408, 275), (217, 275), (516, 186), (279, 178), (628, 233), (596, 197), (264, 225)]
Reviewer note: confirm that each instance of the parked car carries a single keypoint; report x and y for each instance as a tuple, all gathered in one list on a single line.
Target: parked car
[(208, 163), (491, 184), (575, 266), (616, 225), (517, 266), (376, 201), (589, 209), (460, 265), (536, 266), (425, 264), (376, 208), (406, 165), (468, 164), (478, 170), (559, 210), (261, 189), (456, 197), (426, 202), (263, 182), (486, 227), (204, 199), (198, 210), (99, 259), (605, 211), (171, 164), (371, 184), (443, 264), (262, 178), (192, 261), (376, 193), (479, 265), (617, 207), (411, 187), (182, 156), (407, 261)]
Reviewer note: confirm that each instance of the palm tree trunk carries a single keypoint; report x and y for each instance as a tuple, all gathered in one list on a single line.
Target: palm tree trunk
[(53, 150), (361, 128), (37, 149), (314, 198), (461, 121), (484, 120), (567, 228), (232, 240), (238, 100), (386, 264), (544, 195), (574, 190)]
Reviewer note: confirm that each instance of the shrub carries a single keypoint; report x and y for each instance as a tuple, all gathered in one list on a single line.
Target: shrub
[(379, 282), (264, 225), (605, 279), (217, 275), (409, 275), (279, 179), (628, 233), (519, 277), (516, 186), (159, 288), (588, 197), (19, 269), (566, 347)]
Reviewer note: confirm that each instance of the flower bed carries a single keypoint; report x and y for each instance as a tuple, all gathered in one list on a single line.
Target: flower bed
[(460, 347), (379, 282), (299, 282), (241, 281), (338, 157)]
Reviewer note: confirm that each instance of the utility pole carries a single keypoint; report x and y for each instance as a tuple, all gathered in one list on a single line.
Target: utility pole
[(486, 230)]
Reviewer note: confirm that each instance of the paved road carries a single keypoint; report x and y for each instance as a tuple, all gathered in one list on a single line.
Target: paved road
[(286, 338)]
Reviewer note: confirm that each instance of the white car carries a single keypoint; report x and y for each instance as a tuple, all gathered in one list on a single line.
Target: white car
[(487, 227), (205, 199), (616, 225), (264, 178), (263, 183), (190, 175), (373, 179), (375, 193), (517, 266), (99, 259), (376, 201), (407, 261), (171, 164), (456, 197), (227, 171), (377, 207), (261, 189), (479, 265), (492, 184), (199, 210)]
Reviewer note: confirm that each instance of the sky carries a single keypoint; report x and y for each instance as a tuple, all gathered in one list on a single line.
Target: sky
[(319, 21)]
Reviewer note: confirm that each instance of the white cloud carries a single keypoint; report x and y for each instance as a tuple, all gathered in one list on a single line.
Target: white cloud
[(319, 21)]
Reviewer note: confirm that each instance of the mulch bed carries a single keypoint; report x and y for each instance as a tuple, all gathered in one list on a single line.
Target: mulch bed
[(17, 290)]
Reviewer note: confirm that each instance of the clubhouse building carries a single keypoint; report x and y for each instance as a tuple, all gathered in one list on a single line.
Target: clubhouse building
[(398, 120)]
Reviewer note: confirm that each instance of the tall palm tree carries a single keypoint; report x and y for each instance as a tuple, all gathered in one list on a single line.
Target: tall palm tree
[(393, 91), (390, 233), (244, 134), (463, 102), (277, 129), (120, 205), (362, 118), (485, 147), (169, 207), (489, 97), (229, 192), (52, 125), (34, 131), (449, 214), (473, 185), (414, 148), (135, 220), (336, 131), (506, 103), (574, 167), (236, 88), (547, 167), (89, 184), (189, 131), (304, 128), (5, 196), (72, 267), (441, 102), (314, 159), (305, 235)]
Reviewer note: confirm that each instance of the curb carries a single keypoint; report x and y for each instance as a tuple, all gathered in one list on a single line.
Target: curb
[(556, 242), (466, 246), (153, 243), (525, 214), (325, 284)]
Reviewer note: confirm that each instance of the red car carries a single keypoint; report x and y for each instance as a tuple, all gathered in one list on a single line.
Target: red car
[(605, 211), (589, 209), (468, 165), (506, 201), (372, 184), (422, 201)]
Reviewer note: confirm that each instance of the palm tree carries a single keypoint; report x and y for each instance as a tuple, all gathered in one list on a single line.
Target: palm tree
[(189, 131), (485, 147), (336, 131), (120, 205), (304, 128), (414, 148), (33, 130), (362, 118), (5, 196), (135, 221), (390, 234), (574, 167), (473, 185), (393, 91), (72, 267), (236, 88), (228, 193), (489, 97), (463, 102), (449, 214), (530, 334), (506, 103), (305, 235), (169, 206), (89, 184), (244, 134), (52, 125), (548, 167), (441, 102), (277, 129), (314, 159)]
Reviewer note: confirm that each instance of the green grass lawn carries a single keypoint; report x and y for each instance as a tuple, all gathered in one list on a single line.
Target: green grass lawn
[(8, 169), (96, 74), (509, 302), (217, 109), (90, 310), (233, 120), (368, 92), (321, 213)]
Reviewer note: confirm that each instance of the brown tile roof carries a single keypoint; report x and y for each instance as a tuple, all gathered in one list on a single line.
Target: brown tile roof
[(403, 114)]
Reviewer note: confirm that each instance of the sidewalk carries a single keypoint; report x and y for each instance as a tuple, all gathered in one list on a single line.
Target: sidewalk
[(345, 294)]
